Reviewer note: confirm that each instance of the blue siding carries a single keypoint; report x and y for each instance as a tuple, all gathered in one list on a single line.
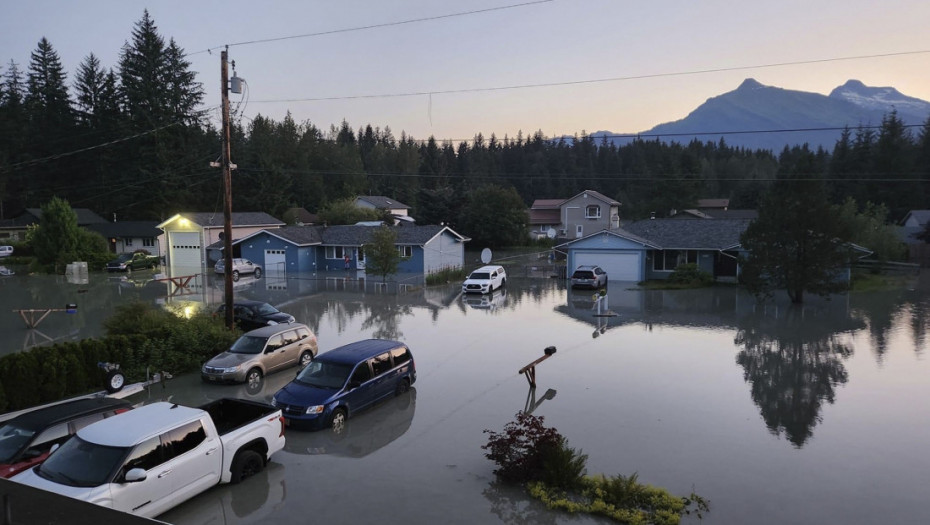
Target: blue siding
[(414, 264)]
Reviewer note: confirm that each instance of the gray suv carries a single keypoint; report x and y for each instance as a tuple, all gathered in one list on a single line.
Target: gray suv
[(589, 276), (260, 352), (239, 267)]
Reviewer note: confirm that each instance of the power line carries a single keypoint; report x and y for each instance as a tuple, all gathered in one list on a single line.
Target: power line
[(372, 26), (593, 81)]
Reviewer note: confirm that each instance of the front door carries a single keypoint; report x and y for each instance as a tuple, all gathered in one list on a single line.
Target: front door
[(579, 231), (360, 260)]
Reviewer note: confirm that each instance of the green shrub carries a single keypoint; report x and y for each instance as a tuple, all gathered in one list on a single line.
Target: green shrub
[(446, 276), (690, 274)]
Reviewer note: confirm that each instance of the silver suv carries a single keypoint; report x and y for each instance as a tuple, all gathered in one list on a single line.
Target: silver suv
[(260, 352), (240, 267), (589, 276), (485, 280)]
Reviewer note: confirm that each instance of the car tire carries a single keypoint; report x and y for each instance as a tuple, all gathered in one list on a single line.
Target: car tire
[(246, 464), (338, 421), (115, 381), (253, 377), (235, 275), (305, 359), (258, 273)]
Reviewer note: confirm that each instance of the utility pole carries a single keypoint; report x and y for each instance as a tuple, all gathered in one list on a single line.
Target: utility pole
[(227, 195)]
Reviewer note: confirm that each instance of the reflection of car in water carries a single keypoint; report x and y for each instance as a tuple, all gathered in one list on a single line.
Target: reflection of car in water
[(490, 301), (362, 435)]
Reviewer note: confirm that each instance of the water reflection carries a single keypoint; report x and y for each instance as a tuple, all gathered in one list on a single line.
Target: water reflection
[(363, 434), (512, 505), (793, 358)]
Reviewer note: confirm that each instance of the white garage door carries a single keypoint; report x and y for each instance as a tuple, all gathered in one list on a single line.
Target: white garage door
[(275, 262), (184, 253), (619, 266)]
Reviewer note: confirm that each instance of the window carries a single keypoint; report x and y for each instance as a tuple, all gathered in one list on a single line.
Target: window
[(183, 439), (303, 333), (405, 251), (401, 355), (274, 342), (592, 211), (147, 455), (362, 373), (336, 252), (127, 241), (148, 241), (52, 435), (381, 364), (78, 424), (668, 260)]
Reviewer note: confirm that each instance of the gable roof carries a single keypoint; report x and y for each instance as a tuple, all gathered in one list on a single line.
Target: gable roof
[(921, 216), (546, 204), (215, 220), (302, 216), (383, 203), (720, 204), (352, 235), (623, 234), (672, 234), (596, 195), (84, 216)]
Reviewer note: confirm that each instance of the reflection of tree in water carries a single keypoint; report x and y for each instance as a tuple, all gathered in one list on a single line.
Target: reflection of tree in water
[(881, 310), (512, 505), (793, 359), (385, 318)]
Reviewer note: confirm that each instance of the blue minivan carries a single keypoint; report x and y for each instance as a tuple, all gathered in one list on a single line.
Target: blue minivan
[(346, 380)]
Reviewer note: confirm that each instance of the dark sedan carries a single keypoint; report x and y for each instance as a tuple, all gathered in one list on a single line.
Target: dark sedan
[(250, 315)]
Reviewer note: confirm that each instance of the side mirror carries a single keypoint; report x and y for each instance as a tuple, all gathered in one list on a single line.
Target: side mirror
[(135, 475)]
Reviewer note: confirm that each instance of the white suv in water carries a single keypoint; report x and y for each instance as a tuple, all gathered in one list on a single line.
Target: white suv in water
[(485, 280)]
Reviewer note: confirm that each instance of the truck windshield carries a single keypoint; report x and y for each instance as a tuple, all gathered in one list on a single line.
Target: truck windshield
[(324, 375), (12, 440), (79, 463), (480, 276), (124, 257), (248, 345)]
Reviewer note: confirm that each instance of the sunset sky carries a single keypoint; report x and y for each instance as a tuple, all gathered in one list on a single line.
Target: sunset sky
[(497, 66)]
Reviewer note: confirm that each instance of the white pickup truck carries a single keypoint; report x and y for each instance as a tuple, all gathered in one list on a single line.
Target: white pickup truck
[(148, 460)]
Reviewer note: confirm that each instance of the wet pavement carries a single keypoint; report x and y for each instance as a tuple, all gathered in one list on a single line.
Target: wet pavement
[(776, 414)]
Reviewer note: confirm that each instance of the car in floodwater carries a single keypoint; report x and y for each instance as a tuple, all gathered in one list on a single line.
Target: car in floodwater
[(260, 352)]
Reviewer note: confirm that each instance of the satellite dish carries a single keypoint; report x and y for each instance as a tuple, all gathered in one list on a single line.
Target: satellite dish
[(486, 255), (550, 233)]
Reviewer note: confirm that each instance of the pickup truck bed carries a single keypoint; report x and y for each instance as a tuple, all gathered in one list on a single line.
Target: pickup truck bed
[(231, 414)]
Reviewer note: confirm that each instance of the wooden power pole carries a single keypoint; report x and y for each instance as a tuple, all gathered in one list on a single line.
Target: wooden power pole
[(227, 195)]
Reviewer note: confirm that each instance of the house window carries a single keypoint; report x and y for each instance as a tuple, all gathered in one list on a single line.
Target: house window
[(592, 212), (336, 252), (405, 251), (127, 241), (668, 260), (148, 241)]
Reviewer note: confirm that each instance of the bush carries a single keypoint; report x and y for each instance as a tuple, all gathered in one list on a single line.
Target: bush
[(527, 450), (445, 276), (689, 274)]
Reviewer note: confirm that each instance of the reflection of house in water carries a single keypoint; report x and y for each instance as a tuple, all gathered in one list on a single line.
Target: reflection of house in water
[(792, 356), (363, 434)]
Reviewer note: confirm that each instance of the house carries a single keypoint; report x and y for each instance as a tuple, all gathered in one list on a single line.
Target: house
[(187, 236), (15, 229), (913, 224), (131, 236), (398, 210), (300, 217), (307, 249), (575, 217), (653, 248)]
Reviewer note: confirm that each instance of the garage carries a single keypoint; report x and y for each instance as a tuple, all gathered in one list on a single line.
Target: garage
[(620, 266), (184, 252), (275, 262)]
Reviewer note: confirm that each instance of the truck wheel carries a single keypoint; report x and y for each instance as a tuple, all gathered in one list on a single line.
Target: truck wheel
[(246, 464), (258, 273), (338, 422), (115, 381)]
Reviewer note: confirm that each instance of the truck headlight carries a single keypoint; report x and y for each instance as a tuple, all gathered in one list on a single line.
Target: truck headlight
[(316, 409)]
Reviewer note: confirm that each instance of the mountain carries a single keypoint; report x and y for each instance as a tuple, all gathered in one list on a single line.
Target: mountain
[(756, 107)]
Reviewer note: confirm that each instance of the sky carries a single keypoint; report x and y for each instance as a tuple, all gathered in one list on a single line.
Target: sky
[(452, 70)]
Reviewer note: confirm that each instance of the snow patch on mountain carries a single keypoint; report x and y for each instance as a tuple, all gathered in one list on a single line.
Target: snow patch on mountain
[(879, 98)]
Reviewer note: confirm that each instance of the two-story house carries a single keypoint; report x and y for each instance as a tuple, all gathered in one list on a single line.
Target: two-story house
[(575, 217)]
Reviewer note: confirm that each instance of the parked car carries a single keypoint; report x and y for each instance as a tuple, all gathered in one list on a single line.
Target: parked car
[(260, 352), (27, 439), (128, 262), (6, 251), (155, 457), (485, 280), (589, 276), (250, 315), (344, 381), (239, 267)]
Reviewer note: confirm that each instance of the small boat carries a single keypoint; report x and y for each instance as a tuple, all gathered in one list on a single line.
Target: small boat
[(4, 271)]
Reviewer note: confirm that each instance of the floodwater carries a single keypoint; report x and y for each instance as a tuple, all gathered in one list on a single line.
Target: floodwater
[(776, 414)]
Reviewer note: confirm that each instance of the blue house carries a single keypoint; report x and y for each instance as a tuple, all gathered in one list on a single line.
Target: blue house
[(307, 249)]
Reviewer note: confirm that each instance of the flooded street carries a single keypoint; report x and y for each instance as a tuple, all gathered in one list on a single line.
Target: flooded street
[(776, 414)]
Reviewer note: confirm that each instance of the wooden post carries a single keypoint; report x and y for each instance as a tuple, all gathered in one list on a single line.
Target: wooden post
[(530, 370)]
